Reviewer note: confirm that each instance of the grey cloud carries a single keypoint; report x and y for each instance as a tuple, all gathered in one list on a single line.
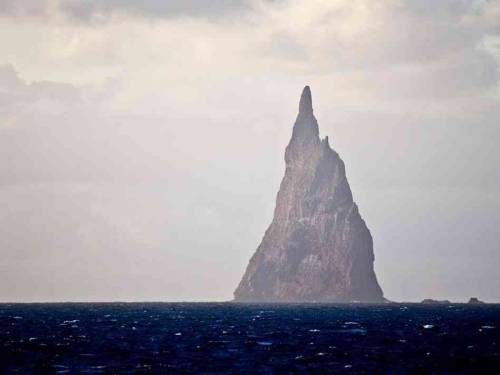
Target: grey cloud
[(22, 8), (87, 10), (287, 47), (444, 7), (410, 32), (8, 78), (417, 49), (18, 97), (95, 10)]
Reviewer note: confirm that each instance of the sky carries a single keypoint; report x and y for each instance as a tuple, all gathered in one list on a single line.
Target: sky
[(142, 143)]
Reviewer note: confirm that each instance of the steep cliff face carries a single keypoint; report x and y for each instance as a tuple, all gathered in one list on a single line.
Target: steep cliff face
[(317, 247)]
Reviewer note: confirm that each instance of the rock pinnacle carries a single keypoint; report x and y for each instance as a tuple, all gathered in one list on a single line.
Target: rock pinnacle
[(317, 248), (305, 104)]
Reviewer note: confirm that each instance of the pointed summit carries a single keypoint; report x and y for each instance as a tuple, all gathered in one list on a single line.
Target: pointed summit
[(305, 105), (305, 129)]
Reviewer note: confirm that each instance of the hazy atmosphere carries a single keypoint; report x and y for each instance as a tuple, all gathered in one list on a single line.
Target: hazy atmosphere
[(142, 141)]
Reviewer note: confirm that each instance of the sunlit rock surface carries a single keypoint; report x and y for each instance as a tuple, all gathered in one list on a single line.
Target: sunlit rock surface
[(317, 248)]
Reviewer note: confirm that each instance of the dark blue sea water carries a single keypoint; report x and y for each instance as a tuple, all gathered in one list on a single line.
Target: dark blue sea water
[(218, 338)]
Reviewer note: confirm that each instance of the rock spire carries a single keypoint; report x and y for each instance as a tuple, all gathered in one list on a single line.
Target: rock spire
[(317, 248)]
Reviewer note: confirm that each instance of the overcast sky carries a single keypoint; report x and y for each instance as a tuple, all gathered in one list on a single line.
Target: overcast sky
[(142, 142)]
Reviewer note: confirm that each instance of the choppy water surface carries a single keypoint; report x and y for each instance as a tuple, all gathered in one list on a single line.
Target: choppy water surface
[(235, 338)]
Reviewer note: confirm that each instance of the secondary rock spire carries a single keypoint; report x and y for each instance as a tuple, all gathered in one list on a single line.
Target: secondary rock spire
[(317, 248)]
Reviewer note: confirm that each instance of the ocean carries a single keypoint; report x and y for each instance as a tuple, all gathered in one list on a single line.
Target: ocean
[(230, 338)]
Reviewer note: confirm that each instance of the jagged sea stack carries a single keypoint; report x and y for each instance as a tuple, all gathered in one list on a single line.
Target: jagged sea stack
[(317, 248)]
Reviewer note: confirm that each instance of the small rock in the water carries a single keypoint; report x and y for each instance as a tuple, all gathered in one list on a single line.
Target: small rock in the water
[(474, 300)]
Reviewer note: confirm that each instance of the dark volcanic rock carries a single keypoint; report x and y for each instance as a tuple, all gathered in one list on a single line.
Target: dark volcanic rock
[(475, 300), (317, 247)]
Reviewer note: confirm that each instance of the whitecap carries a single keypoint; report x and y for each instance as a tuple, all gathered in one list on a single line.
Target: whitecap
[(264, 343), (357, 330)]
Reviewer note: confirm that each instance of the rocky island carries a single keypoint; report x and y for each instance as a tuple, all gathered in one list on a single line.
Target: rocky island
[(317, 248), (475, 300)]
